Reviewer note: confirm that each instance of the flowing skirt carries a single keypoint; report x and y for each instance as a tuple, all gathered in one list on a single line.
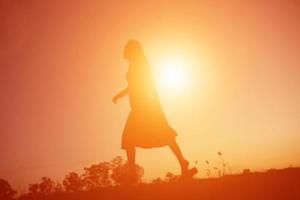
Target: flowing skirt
[(147, 128)]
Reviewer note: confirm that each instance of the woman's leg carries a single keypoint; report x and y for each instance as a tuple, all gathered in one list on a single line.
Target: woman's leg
[(131, 157), (132, 175), (176, 150)]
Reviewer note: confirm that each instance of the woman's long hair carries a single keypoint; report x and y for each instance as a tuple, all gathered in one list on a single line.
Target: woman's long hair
[(138, 63), (135, 54)]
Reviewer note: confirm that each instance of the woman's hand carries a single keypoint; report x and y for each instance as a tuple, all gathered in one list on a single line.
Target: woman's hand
[(115, 99), (120, 95)]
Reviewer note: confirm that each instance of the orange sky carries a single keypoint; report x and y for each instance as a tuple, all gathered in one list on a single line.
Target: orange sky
[(61, 63)]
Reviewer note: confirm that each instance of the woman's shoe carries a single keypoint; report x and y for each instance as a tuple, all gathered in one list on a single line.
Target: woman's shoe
[(186, 172), (189, 173), (131, 177)]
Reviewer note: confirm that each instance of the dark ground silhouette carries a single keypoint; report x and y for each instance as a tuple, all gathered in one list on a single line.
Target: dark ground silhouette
[(273, 184)]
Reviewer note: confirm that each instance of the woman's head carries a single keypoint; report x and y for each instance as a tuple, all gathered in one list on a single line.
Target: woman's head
[(133, 51)]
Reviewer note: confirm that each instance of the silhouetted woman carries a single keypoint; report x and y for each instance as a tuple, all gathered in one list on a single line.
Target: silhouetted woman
[(146, 126)]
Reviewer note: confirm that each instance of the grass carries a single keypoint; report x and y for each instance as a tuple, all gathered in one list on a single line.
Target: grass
[(274, 184)]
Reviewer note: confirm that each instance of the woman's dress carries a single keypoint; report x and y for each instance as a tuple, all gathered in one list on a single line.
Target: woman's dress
[(146, 126)]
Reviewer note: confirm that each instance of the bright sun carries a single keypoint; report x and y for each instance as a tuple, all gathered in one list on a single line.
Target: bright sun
[(172, 74)]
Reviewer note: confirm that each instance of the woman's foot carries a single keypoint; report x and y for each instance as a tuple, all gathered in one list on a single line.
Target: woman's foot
[(185, 171), (131, 177), (189, 173)]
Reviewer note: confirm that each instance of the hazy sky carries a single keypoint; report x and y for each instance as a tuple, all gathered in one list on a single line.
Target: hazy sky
[(61, 63)]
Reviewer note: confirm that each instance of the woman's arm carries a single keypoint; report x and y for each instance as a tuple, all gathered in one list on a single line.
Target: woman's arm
[(120, 95)]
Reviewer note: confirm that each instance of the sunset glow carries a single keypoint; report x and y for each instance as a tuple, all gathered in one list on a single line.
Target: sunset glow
[(172, 74), (227, 74)]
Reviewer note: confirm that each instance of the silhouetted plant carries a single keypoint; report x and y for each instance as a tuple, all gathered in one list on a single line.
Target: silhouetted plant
[(222, 164), (208, 169), (170, 177), (45, 187), (220, 169), (120, 170), (33, 189), (97, 176), (6, 191), (116, 162), (94, 177), (246, 171), (157, 180), (73, 182), (58, 187), (217, 171)]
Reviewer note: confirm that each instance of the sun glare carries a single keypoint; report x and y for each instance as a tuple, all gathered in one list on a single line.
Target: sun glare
[(172, 74)]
